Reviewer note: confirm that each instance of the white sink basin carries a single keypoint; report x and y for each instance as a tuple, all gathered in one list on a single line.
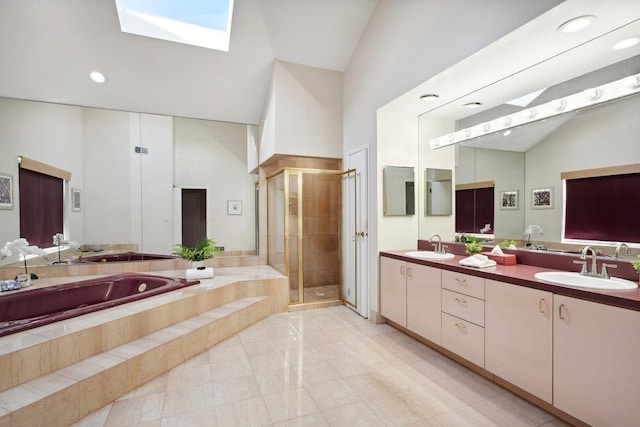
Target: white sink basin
[(576, 280), (428, 255)]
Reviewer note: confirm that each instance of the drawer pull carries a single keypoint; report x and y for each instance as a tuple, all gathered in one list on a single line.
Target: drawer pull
[(461, 328), (402, 269), (540, 305), (560, 311), (409, 272), (461, 282), (461, 301)]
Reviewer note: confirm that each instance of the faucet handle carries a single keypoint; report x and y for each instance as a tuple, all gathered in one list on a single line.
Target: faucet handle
[(583, 270), (605, 273)]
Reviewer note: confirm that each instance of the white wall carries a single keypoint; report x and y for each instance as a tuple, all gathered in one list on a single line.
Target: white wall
[(303, 113), (48, 133), (213, 155)]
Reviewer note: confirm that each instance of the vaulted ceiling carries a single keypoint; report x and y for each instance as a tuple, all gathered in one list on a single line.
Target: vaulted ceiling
[(49, 47)]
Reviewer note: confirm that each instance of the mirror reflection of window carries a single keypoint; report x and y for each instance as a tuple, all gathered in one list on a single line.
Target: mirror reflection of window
[(439, 197)]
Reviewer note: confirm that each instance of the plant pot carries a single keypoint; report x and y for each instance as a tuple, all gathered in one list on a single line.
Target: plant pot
[(24, 280), (198, 265)]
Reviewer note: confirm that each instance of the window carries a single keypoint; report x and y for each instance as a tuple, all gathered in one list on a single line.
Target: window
[(195, 22), (603, 208), (41, 207), (474, 209)]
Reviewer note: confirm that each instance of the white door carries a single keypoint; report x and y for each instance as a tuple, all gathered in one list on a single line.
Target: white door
[(355, 247)]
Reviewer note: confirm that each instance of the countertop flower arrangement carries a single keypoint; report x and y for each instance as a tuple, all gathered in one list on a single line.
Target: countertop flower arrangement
[(531, 229), (636, 264), (22, 246), (58, 240), (473, 248)]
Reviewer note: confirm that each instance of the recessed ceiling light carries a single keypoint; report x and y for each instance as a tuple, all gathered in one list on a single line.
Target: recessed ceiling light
[(626, 43), (429, 97), (577, 24), (97, 77), (472, 105), (506, 133)]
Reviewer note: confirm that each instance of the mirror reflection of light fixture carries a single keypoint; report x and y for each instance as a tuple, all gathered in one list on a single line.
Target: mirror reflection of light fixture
[(472, 105), (617, 89), (577, 24), (506, 132)]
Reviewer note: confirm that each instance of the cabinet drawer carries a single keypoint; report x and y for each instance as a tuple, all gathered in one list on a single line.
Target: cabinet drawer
[(463, 338), (463, 306), (463, 283)]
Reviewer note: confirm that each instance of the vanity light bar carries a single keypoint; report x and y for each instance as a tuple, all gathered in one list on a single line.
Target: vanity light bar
[(587, 98)]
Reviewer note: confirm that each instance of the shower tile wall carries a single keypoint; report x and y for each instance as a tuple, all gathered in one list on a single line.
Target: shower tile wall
[(321, 215)]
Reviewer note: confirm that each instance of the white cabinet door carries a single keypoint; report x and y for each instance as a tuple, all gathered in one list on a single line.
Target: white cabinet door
[(423, 302), (595, 362), (518, 336), (393, 290)]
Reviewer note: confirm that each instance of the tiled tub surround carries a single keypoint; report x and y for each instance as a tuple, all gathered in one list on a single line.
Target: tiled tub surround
[(100, 268), (59, 373), (568, 350)]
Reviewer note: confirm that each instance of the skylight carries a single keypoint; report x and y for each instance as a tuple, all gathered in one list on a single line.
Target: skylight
[(204, 23)]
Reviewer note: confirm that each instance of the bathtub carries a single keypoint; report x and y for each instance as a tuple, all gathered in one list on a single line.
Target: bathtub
[(33, 308), (123, 257)]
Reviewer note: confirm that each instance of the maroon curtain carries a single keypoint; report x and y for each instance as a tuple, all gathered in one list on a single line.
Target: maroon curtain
[(474, 209), (41, 207), (603, 208)]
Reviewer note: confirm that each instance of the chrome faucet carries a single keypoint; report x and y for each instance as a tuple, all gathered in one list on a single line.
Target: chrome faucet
[(620, 246), (437, 246), (594, 267)]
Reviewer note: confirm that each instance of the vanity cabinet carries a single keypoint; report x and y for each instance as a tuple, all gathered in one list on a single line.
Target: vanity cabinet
[(410, 296), (596, 349), (393, 290), (519, 336), (463, 315), (423, 302)]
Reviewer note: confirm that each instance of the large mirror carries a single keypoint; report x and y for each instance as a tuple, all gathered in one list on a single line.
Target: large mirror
[(131, 171), (529, 160)]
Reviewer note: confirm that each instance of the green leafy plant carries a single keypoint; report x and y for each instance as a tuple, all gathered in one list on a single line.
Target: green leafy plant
[(636, 264), (507, 243), (473, 248), (204, 249)]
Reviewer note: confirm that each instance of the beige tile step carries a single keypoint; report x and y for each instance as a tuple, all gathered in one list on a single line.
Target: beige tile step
[(72, 392)]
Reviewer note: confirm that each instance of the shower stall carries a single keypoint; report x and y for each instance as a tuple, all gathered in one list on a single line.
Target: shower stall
[(303, 230)]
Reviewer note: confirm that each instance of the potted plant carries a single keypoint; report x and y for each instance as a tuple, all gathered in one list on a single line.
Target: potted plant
[(473, 247), (636, 264), (22, 246), (204, 249)]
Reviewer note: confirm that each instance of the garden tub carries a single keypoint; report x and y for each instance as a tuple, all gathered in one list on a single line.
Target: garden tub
[(33, 308)]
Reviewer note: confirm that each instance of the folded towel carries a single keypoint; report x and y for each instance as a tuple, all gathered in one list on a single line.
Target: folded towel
[(478, 261), (194, 273)]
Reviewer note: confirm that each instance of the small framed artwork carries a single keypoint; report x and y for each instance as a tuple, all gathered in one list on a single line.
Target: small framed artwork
[(76, 200), (509, 200), (234, 207), (542, 198), (6, 191)]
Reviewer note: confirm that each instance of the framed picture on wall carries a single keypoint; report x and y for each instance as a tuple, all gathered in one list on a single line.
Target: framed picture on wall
[(542, 198), (234, 207), (6, 191), (76, 200), (509, 200)]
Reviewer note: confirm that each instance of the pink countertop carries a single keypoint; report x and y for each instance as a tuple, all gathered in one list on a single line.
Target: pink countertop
[(523, 275)]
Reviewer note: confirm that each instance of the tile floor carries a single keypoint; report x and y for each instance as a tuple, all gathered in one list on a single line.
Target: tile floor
[(324, 367)]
